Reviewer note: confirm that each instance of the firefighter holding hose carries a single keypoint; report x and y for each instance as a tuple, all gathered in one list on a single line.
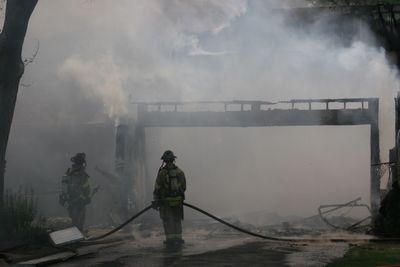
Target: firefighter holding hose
[(169, 194)]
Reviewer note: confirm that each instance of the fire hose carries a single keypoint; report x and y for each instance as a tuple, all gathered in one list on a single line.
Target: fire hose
[(265, 237), (234, 226), (120, 226), (194, 208)]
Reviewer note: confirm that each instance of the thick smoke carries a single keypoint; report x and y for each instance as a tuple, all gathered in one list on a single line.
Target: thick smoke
[(101, 78), (210, 49), (95, 55)]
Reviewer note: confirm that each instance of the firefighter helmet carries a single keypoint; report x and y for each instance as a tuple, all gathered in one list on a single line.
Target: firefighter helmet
[(79, 158), (168, 156)]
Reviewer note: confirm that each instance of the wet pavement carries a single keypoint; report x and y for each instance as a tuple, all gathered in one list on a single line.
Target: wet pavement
[(203, 249)]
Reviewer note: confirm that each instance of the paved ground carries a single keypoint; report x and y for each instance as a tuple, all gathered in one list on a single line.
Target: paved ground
[(203, 249)]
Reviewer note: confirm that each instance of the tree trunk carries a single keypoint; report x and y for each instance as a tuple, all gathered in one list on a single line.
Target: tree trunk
[(12, 38)]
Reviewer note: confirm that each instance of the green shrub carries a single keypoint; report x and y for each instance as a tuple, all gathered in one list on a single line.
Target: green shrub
[(18, 217)]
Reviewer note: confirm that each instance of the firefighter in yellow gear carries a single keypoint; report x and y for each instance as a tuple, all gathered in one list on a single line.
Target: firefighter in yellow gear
[(169, 194), (76, 191)]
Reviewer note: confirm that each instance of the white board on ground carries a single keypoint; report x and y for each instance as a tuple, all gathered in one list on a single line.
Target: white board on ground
[(66, 236)]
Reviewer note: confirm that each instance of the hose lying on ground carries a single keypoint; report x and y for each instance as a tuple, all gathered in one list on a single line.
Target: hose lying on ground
[(233, 226), (274, 238), (192, 207), (90, 239), (120, 226)]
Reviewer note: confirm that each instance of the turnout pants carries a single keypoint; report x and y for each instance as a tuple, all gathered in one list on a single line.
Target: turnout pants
[(172, 222), (77, 215)]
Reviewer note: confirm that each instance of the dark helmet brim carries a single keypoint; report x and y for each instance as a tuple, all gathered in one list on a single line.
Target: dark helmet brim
[(79, 158), (168, 155)]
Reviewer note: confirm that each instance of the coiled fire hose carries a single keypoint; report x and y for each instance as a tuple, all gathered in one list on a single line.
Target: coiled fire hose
[(90, 239)]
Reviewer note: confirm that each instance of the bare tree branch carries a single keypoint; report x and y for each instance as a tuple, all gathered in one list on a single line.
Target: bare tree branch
[(26, 85), (30, 59)]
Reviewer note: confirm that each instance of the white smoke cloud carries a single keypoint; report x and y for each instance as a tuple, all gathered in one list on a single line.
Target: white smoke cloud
[(100, 78), (188, 50), (202, 16)]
